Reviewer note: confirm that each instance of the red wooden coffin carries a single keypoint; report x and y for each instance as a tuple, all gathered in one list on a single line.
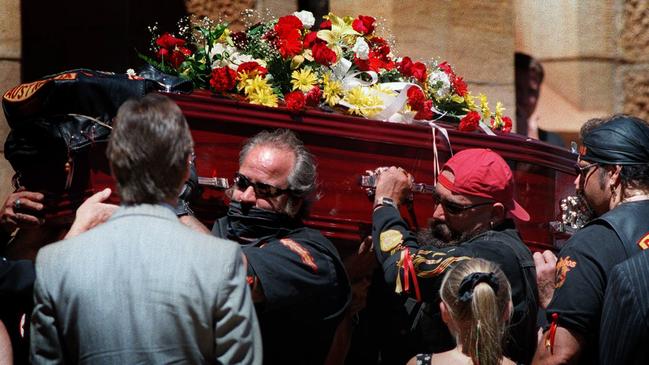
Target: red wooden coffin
[(345, 147)]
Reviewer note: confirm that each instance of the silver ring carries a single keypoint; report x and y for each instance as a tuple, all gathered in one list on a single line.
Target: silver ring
[(17, 203)]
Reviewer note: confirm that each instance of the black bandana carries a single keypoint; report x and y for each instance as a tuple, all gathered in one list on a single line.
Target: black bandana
[(621, 141), (254, 223)]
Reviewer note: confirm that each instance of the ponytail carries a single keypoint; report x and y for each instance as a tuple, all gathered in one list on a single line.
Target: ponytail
[(477, 295)]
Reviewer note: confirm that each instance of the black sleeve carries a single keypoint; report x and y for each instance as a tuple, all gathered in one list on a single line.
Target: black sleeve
[(581, 276), (392, 241), (16, 280)]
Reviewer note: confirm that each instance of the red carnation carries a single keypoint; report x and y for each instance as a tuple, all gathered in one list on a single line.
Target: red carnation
[(459, 85), (364, 24), (426, 113), (326, 24), (405, 66), (419, 71), (288, 40), (223, 79), (313, 96), (416, 98), (252, 67), (287, 23), (470, 122), (444, 66), (295, 100), (323, 55), (508, 124), (169, 42), (172, 49), (311, 38)]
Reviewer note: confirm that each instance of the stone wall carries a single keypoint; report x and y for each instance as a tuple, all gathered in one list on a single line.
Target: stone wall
[(10, 51), (632, 76)]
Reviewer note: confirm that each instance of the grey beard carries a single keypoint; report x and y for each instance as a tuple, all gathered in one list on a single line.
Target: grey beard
[(439, 235)]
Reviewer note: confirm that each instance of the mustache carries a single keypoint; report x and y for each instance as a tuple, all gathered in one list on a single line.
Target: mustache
[(438, 234)]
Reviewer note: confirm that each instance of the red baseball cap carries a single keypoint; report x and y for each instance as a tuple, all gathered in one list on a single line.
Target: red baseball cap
[(482, 172)]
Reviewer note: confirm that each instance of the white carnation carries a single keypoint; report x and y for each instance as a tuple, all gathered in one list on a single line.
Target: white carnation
[(440, 82), (361, 49), (306, 17)]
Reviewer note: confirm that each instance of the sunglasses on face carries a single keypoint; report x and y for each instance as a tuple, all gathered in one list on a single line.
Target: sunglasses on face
[(454, 208), (261, 190), (581, 171)]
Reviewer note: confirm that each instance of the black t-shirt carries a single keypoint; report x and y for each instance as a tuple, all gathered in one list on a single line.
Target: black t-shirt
[(390, 235), (582, 272), (306, 292)]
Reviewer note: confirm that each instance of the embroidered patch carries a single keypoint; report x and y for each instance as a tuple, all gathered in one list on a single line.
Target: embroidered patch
[(644, 242), (305, 256), (390, 240), (564, 265)]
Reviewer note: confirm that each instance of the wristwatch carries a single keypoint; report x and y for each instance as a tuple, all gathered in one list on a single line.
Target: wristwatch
[(385, 201)]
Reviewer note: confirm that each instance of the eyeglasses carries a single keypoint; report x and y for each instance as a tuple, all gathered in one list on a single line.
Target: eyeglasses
[(454, 208), (261, 190), (583, 170)]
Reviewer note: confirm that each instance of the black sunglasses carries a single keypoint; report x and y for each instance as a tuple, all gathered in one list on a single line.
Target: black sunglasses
[(453, 208), (583, 170), (261, 190)]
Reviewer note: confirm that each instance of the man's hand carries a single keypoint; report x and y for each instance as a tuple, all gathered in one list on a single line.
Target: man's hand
[(394, 183), (92, 213), (545, 263), (18, 209)]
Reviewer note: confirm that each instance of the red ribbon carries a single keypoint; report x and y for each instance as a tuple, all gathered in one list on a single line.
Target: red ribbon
[(553, 330), (409, 270)]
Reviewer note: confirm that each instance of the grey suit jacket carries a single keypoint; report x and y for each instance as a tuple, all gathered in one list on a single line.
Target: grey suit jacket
[(143, 288)]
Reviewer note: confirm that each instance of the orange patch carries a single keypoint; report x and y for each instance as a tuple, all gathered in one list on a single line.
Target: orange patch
[(24, 91), (305, 256), (644, 242), (564, 265)]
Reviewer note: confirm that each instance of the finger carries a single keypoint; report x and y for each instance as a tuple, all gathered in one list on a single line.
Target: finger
[(100, 196), (27, 219), (31, 195), (538, 259), (549, 257), (28, 204)]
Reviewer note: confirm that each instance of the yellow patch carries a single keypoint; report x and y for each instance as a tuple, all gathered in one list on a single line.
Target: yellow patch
[(390, 240), (564, 265)]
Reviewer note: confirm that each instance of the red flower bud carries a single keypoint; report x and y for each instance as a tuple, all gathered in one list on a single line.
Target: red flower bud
[(223, 79), (470, 122), (364, 24), (323, 55), (295, 100)]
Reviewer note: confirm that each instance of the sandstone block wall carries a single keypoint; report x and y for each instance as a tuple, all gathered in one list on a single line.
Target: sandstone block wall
[(10, 53)]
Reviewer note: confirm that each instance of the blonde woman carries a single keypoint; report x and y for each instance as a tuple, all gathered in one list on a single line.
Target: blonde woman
[(476, 306)]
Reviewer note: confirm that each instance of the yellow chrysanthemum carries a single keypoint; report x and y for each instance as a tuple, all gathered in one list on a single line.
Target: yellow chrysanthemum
[(484, 106), (255, 85), (332, 90), (303, 79), (383, 90), (363, 103), (263, 97), (470, 103)]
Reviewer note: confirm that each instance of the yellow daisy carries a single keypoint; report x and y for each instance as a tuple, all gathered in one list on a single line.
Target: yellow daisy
[(362, 103), (332, 90), (303, 79)]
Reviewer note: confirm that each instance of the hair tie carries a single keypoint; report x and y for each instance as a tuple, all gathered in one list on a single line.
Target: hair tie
[(470, 281)]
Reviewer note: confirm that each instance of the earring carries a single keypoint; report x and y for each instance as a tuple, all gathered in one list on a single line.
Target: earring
[(491, 224)]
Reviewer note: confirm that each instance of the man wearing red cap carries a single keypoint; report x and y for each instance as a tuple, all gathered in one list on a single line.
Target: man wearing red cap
[(613, 178), (473, 218)]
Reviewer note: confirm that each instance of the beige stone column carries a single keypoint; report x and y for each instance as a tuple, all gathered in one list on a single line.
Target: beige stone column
[(10, 53), (632, 75)]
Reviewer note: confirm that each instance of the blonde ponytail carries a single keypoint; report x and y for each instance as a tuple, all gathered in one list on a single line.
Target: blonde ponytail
[(477, 295)]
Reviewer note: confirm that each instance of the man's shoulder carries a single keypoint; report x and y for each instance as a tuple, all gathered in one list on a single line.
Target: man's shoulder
[(592, 239)]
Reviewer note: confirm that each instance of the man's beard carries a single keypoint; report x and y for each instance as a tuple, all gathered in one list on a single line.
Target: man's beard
[(440, 235)]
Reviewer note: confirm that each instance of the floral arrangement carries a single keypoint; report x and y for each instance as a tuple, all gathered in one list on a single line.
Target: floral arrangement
[(343, 65)]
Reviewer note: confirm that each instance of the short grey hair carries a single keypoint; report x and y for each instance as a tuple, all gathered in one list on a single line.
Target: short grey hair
[(302, 180), (149, 149)]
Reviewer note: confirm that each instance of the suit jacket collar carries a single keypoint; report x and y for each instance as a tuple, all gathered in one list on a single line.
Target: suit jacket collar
[(152, 210)]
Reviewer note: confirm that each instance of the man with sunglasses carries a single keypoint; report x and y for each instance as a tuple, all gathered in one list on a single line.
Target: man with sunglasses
[(298, 281), (472, 218), (613, 178)]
